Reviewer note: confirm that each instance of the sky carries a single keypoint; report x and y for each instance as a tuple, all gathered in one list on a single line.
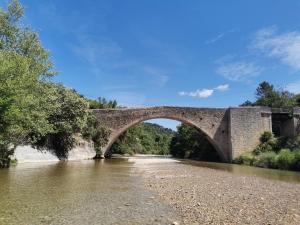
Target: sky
[(209, 53)]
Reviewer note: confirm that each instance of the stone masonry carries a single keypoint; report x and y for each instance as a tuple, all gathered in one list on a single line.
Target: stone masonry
[(232, 131)]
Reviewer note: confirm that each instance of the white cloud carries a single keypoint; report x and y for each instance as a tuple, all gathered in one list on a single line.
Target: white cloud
[(294, 87), (238, 71), (204, 93), (222, 87), (285, 46)]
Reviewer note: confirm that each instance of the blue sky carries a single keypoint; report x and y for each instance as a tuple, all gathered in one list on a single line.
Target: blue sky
[(209, 53)]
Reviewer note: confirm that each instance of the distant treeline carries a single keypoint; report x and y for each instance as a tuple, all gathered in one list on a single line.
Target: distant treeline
[(144, 138)]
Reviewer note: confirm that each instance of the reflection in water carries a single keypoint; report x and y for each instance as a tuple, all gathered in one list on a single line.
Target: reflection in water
[(95, 192), (85, 192), (282, 175)]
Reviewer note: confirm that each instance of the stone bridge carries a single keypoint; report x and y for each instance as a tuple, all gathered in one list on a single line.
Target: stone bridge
[(232, 131)]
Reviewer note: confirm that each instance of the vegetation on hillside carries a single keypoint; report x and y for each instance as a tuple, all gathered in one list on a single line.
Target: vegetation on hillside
[(144, 138)]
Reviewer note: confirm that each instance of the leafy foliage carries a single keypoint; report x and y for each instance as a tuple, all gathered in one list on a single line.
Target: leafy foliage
[(24, 63), (102, 103), (69, 118), (144, 138), (273, 153), (267, 95), (97, 133), (33, 110), (188, 142)]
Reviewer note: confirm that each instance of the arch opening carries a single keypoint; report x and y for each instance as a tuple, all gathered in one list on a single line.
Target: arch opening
[(207, 142)]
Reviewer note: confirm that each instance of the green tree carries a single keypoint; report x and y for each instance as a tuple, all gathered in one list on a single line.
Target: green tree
[(24, 64), (68, 118), (144, 138), (267, 95), (102, 103), (33, 110), (190, 143)]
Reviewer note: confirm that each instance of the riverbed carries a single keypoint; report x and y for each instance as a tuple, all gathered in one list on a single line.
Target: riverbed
[(147, 190)]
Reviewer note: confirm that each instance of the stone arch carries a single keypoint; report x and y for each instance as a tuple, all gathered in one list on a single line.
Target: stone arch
[(231, 131), (116, 134)]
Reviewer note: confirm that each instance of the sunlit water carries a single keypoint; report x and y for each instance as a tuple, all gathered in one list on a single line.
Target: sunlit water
[(95, 192)]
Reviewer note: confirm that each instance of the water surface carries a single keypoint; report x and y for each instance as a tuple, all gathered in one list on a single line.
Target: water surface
[(83, 192), (97, 192)]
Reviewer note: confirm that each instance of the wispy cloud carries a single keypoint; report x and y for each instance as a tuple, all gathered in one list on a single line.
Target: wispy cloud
[(205, 93), (284, 46), (294, 87), (96, 52), (219, 37), (158, 76), (238, 70), (222, 87)]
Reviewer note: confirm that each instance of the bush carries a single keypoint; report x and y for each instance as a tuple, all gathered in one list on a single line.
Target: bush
[(268, 143), (266, 137), (296, 163), (266, 160), (285, 159), (293, 143), (246, 159)]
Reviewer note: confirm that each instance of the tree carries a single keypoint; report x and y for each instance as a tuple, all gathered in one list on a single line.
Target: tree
[(102, 103), (267, 95), (68, 118), (190, 143), (144, 138), (24, 64)]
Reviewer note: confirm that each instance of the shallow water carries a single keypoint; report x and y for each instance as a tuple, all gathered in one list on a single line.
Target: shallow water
[(83, 192), (280, 175), (96, 192)]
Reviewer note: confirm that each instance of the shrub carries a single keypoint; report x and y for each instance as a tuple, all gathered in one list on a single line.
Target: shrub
[(296, 163), (293, 143), (285, 159), (266, 137), (266, 160), (268, 143), (246, 159)]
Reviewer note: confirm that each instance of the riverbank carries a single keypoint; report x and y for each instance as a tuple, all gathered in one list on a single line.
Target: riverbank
[(27, 154), (208, 196)]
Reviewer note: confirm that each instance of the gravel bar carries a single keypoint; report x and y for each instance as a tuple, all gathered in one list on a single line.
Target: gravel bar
[(202, 195)]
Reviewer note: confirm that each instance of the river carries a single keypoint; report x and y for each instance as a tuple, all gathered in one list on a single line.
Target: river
[(98, 192)]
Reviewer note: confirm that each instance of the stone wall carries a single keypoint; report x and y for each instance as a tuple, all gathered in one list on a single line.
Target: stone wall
[(246, 124)]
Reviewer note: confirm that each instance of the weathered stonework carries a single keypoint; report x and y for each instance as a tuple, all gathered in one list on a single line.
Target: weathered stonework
[(246, 126), (232, 131)]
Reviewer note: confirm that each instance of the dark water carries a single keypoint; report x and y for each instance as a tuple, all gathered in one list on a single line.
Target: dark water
[(95, 192)]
